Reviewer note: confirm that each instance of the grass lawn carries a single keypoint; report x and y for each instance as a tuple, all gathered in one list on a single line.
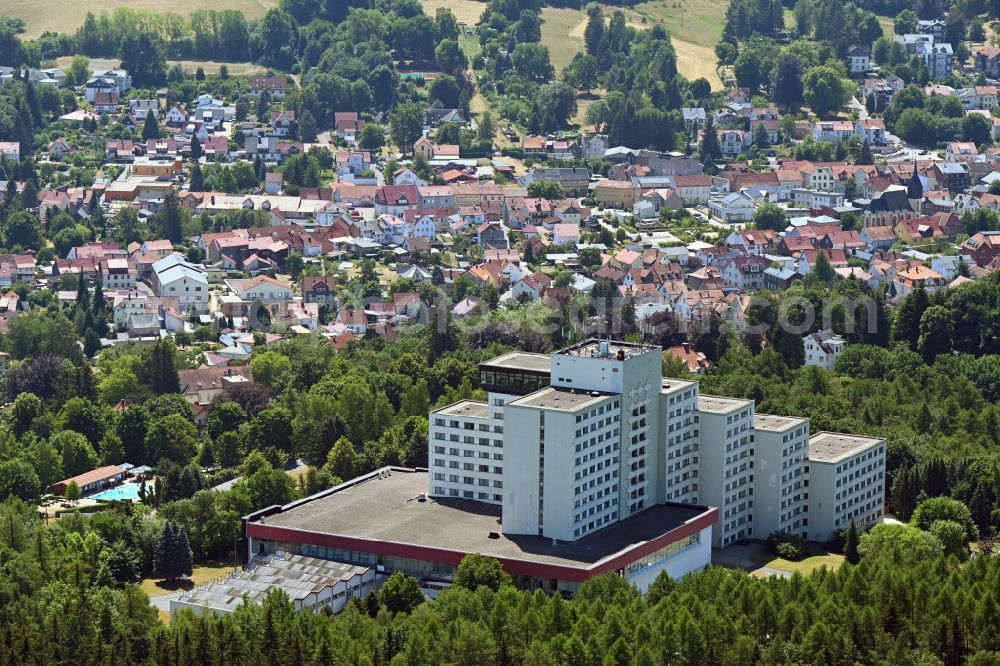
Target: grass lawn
[(470, 45), (696, 21), (819, 558), (40, 15), (464, 10), (202, 574), (557, 25), (695, 60)]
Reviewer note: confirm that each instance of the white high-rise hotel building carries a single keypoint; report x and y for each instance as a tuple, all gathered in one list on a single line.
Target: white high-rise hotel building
[(572, 442)]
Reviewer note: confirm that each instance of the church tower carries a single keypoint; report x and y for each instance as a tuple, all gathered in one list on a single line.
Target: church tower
[(915, 190)]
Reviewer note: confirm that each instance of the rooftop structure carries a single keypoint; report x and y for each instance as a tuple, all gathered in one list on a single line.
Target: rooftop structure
[(516, 373), (470, 408), (569, 400), (830, 447), (607, 349), (721, 405), (521, 361), (309, 582), (773, 423)]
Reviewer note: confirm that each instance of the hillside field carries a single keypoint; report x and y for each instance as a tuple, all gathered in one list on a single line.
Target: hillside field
[(695, 25), (63, 16), (694, 32)]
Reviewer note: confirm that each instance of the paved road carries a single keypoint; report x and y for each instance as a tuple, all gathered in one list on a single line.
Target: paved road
[(856, 105), (162, 601)]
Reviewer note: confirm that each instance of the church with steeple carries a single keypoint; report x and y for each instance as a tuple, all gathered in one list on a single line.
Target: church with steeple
[(915, 190), (896, 203)]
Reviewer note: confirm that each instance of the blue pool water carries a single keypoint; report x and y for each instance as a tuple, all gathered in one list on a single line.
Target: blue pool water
[(126, 491)]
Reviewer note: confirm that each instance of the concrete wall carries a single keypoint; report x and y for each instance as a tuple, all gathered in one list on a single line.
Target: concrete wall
[(520, 480)]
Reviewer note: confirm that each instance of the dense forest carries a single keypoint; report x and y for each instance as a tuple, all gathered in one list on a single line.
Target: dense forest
[(60, 602)]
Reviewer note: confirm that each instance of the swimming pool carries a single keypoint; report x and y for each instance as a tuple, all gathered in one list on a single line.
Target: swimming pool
[(126, 491)]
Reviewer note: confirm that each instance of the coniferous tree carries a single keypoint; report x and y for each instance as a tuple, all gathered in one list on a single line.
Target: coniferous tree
[(163, 551), (197, 183), (196, 150), (865, 156), (82, 293), (98, 303), (907, 325), (851, 544), (150, 129), (594, 32), (161, 368), (182, 552), (710, 148), (91, 343), (263, 103), (170, 218)]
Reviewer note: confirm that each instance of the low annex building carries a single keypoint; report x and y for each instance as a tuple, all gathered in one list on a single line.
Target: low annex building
[(385, 521), (309, 582)]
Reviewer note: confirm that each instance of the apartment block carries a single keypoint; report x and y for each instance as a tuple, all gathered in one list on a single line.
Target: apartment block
[(466, 440), (567, 479), (466, 452), (726, 466), (781, 485), (571, 443), (680, 428), (846, 482)]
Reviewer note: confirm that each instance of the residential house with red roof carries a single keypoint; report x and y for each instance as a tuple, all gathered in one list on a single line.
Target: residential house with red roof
[(746, 273), (396, 199), (983, 247)]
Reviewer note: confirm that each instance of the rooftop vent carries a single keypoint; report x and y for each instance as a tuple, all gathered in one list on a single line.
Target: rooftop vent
[(494, 535)]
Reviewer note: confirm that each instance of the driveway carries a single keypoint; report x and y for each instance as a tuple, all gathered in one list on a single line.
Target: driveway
[(741, 557), (856, 105)]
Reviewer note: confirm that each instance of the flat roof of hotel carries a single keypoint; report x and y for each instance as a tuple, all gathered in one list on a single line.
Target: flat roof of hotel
[(470, 408), (721, 405), (592, 348), (834, 446), (388, 509), (776, 423), (671, 385), (522, 361), (563, 399)]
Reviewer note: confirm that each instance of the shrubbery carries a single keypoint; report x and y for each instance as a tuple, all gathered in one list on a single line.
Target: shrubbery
[(787, 546)]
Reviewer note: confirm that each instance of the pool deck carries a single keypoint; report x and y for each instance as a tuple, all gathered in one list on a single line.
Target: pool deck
[(115, 492)]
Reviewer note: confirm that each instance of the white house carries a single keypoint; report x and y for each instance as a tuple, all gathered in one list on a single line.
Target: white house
[(745, 273), (107, 81), (406, 176), (732, 207), (831, 131), (173, 276), (823, 348), (261, 287), (871, 130), (858, 60), (175, 116), (566, 234)]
